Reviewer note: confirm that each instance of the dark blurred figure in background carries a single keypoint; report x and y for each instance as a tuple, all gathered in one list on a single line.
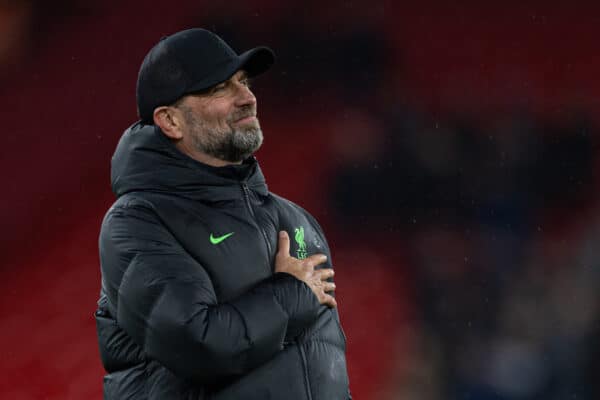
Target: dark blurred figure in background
[(24, 25), (15, 33), (510, 321)]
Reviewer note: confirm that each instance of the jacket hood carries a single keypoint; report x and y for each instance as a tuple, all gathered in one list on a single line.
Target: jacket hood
[(146, 160)]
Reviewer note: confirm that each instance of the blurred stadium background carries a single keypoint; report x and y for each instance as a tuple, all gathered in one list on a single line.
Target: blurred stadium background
[(449, 150)]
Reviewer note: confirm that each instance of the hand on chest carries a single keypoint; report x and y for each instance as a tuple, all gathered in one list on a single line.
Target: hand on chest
[(237, 250)]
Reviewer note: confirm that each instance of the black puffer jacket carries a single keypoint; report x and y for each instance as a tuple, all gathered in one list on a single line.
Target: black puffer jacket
[(190, 307)]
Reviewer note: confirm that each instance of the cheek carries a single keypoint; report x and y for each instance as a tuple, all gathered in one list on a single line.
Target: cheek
[(220, 117)]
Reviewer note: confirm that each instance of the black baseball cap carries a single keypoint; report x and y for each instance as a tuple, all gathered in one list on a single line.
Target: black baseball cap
[(191, 61)]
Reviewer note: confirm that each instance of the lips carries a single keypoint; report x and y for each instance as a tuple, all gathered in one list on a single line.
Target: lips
[(246, 118)]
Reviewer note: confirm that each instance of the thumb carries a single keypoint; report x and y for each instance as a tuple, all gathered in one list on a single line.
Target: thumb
[(283, 247)]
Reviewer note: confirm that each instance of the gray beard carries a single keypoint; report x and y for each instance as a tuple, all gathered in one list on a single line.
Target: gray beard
[(233, 145)]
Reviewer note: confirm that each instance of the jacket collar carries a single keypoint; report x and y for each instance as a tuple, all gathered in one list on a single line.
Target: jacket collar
[(146, 160)]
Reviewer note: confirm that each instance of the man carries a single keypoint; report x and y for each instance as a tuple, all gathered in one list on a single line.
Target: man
[(204, 295)]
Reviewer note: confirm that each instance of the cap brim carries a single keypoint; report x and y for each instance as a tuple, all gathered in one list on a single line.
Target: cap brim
[(254, 61), (257, 60)]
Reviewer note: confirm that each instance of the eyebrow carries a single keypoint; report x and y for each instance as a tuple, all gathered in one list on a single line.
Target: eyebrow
[(203, 92)]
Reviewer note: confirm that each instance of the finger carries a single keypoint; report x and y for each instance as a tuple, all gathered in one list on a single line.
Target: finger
[(329, 300), (325, 273), (283, 246), (316, 259), (328, 286)]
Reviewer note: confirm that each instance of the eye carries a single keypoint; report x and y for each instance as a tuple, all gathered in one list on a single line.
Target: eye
[(219, 87), (246, 81)]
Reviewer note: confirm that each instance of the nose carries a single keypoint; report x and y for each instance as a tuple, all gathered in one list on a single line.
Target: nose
[(244, 95)]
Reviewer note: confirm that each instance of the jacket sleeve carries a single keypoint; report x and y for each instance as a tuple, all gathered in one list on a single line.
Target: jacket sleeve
[(167, 304)]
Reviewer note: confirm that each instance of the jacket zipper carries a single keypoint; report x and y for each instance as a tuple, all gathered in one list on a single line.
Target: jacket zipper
[(305, 368), (246, 191)]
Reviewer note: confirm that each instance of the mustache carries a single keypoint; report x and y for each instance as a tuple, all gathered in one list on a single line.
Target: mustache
[(248, 111)]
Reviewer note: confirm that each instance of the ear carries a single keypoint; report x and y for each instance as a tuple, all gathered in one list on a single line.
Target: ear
[(169, 121)]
